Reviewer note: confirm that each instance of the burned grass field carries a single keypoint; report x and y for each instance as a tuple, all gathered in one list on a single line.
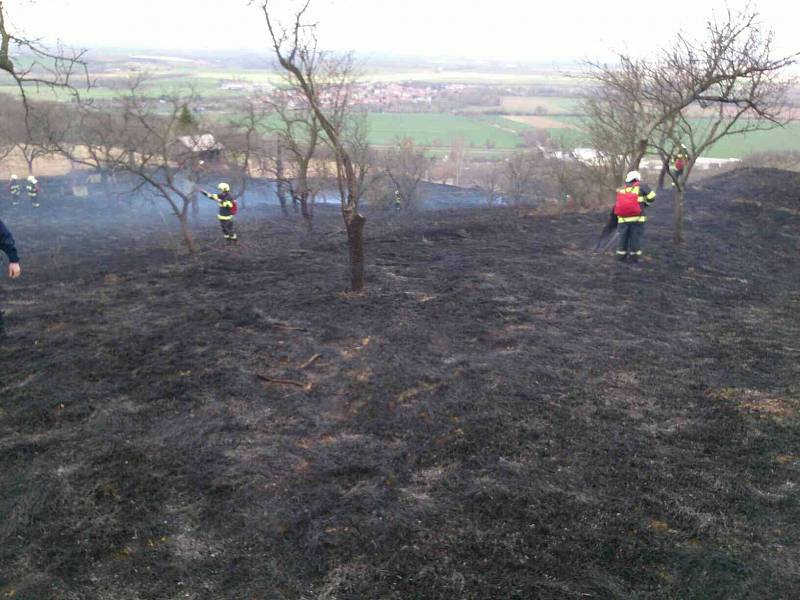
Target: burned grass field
[(504, 414)]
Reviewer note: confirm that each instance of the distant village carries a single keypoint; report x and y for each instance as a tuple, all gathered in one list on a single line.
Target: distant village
[(376, 96)]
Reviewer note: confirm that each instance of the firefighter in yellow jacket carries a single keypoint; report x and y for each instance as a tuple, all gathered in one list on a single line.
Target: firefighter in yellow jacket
[(630, 210), (227, 210), (14, 189), (33, 189)]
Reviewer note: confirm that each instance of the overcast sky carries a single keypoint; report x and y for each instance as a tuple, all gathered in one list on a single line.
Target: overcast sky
[(509, 30)]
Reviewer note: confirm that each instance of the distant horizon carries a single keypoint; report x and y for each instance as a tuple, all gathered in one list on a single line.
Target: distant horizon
[(252, 53), (416, 29)]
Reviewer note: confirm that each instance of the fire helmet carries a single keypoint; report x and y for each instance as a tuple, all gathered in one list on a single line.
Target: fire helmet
[(633, 176)]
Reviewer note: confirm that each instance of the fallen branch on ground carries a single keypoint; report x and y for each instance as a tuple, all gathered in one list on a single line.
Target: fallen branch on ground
[(300, 384), (310, 361)]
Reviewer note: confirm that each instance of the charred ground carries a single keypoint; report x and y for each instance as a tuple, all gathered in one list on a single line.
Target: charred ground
[(504, 414)]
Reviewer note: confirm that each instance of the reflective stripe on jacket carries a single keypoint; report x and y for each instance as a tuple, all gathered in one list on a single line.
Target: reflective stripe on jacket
[(646, 197), (225, 201)]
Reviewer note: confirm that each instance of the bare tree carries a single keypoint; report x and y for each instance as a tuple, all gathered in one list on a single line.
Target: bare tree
[(239, 141), (269, 161), (283, 184), (52, 68), (489, 179), (744, 89), (364, 156), (521, 176), (36, 135), (90, 138), (406, 165), (619, 119), (694, 91), (456, 158), (6, 137), (298, 135), (296, 49), (155, 156)]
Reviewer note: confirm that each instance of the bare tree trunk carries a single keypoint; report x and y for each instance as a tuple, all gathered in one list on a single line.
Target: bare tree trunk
[(354, 223), (679, 193), (303, 194), (308, 216), (186, 232), (282, 198), (106, 183), (281, 183), (662, 176), (636, 159)]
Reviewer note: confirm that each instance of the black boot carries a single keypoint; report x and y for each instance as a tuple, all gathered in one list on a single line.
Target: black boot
[(2, 326)]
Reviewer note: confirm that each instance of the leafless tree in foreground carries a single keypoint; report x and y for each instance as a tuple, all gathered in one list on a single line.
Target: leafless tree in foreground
[(694, 92), (154, 156), (617, 121), (326, 83), (51, 68), (744, 89)]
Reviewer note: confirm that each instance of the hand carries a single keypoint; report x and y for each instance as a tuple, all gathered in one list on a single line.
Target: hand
[(14, 270)]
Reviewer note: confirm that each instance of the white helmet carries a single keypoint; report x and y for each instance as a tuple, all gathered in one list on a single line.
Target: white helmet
[(13, 177), (224, 187), (32, 179), (633, 176)]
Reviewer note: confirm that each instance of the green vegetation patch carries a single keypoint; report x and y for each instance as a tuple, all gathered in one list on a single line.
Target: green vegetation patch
[(441, 130)]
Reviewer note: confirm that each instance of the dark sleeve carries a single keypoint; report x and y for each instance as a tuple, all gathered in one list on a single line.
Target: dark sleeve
[(7, 244), (646, 193)]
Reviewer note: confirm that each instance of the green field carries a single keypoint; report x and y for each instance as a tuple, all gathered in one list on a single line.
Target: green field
[(479, 132), (737, 146), (740, 146), (549, 105), (207, 87), (497, 134), (441, 130)]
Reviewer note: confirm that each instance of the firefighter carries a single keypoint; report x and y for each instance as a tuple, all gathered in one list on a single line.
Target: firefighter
[(8, 246), (227, 210), (14, 189), (681, 158), (33, 189), (630, 211), (398, 202)]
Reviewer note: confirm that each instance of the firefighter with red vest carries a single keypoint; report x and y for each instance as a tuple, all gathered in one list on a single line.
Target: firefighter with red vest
[(630, 211), (227, 210), (681, 158)]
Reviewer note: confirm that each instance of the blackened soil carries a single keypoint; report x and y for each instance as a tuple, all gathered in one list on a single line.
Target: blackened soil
[(504, 414)]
